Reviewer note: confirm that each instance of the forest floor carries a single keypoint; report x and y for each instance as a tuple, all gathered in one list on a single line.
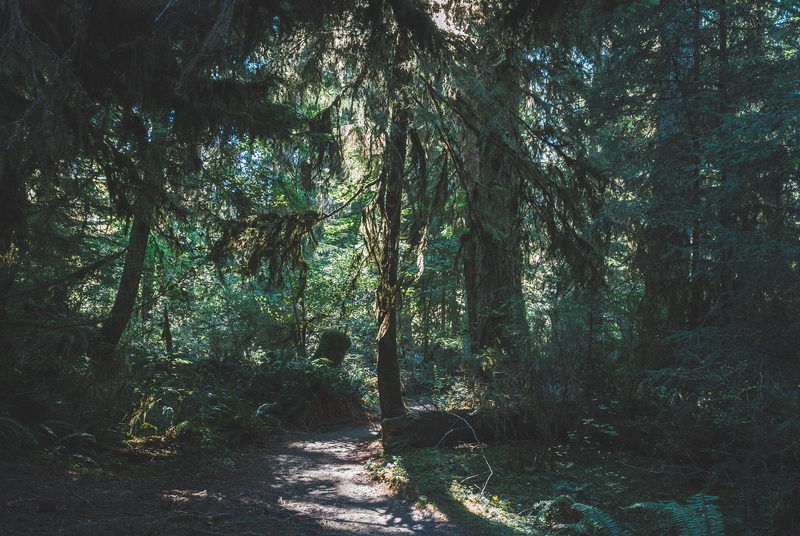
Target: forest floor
[(304, 484)]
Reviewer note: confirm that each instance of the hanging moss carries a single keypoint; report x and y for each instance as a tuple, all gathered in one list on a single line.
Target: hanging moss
[(333, 345)]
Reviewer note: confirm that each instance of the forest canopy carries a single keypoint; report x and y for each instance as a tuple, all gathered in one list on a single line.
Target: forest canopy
[(578, 220)]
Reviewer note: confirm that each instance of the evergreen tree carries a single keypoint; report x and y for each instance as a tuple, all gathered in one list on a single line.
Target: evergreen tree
[(136, 90), (701, 139)]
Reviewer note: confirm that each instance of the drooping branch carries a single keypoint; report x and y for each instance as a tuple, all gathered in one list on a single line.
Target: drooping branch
[(272, 239), (77, 275)]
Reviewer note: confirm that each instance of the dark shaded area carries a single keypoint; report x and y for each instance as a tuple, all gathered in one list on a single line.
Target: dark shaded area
[(259, 496), (578, 219), (333, 345)]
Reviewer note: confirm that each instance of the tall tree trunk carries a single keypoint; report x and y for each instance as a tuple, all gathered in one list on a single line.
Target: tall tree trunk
[(148, 291), (491, 249), (390, 199), (493, 260), (669, 256), (121, 312), (166, 332), (12, 240), (6, 343)]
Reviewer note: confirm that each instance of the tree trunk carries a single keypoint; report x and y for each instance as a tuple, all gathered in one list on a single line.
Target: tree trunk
[(12, 240), (121, 312), (668, 256), (390, 199), (166, 332), (433, 428), (493, 270), (491, 248), (148, 291)]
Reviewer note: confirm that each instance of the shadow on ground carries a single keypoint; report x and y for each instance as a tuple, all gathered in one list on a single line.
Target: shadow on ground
[(310, 484)]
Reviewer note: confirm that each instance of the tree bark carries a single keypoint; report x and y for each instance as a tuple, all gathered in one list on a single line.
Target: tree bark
[(390, 200), (166, 332), (493, 267), (121, 312), (13, 227), (491, 249)]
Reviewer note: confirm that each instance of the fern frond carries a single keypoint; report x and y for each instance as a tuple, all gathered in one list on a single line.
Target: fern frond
[(580, 528), (685, 519), (699, 517), (704, 506), (14, 435), (601, 521)]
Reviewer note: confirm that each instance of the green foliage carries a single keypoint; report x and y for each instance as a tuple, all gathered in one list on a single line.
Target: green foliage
[(698, 517), (240, 400), (308, 392), (595, 521), (585, 494), (13, 435), (598, 239)]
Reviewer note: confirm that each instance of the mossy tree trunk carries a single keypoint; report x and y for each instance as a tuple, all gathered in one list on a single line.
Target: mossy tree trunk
[(433, 428), (389, 202), (492, 247)]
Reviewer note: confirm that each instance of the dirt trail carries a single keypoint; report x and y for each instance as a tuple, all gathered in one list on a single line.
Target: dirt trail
[(323, 478), (309, 484)]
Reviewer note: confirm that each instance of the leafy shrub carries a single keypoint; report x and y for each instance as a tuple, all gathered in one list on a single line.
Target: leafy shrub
[(306, 392), (238, 400)]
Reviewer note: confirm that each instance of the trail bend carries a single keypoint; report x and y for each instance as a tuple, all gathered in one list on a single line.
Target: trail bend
[(308, 484)]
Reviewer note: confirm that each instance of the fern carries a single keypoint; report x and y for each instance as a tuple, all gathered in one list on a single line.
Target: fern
[(595, 522), (699, 517), (14, 435), (712, 517), (554, 510)]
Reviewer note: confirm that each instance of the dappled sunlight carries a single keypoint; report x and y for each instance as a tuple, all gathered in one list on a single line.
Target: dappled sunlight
[(585, 486), (490, 508), (560, 237)]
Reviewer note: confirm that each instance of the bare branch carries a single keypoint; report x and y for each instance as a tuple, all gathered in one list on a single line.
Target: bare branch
[(480, 446)]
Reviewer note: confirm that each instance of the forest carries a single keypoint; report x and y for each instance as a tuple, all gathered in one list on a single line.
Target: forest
[(573, 225)]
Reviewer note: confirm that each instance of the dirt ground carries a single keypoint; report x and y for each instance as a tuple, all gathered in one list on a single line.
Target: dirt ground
[(308, 484)]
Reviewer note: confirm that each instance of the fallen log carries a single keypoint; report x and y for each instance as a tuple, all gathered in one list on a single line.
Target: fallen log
[(431, 429)]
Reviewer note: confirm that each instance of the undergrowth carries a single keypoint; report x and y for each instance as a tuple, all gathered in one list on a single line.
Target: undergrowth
[(238, 398), (180, 405), (584, 493)]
